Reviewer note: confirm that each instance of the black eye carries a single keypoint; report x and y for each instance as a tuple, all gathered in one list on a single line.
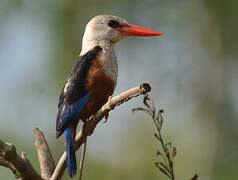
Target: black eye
[(113, 24)]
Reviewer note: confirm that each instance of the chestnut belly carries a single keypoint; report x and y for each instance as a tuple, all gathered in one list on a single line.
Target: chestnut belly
[(97, 98), (100, 87)]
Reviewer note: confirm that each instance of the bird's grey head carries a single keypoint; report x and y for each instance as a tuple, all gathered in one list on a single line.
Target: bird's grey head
[(107, 30), (104, 28)]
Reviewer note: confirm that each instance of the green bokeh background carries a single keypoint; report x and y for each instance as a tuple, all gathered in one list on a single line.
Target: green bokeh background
[(193, 71)]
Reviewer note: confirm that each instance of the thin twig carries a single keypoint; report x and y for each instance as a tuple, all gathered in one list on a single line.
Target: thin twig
[(81, 164), (168, 152), (165, 166), (92, 123)]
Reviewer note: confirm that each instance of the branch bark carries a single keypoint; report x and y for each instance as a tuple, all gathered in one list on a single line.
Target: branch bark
[(46, 161), (4, 163), (20, 166)]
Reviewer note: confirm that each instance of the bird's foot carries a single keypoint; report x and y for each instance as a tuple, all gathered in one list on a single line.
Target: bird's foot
[(85, 125), (106, 117), (91, 132), (94, 117)]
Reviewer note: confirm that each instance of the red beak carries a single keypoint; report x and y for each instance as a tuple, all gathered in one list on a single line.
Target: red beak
[(132, 30)]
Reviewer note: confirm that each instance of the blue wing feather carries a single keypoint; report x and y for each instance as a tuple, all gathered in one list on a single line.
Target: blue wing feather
[(68, 113)]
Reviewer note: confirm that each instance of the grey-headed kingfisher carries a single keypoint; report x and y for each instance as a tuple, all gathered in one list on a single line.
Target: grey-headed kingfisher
[(93, 78)]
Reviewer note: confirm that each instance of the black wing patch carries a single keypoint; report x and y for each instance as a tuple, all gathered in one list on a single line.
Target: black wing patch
[(77, 78)]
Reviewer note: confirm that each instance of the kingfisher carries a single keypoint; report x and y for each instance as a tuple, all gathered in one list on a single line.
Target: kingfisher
[(93, 78)]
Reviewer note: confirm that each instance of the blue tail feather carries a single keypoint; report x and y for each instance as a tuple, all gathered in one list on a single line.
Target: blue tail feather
[(70, 150)]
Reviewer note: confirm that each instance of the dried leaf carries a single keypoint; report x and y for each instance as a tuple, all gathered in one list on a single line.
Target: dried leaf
[(174, 153), (137, 109), (160, 117), (165, 167), (195, 177), (146, 98), (168, 145), (162, 169), (142, 109), (167, 154), (152, 107), (158, 153), (157, 136), (149, 104)]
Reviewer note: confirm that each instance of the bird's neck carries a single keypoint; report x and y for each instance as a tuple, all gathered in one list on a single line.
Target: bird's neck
[(88, 45), (108, 56)]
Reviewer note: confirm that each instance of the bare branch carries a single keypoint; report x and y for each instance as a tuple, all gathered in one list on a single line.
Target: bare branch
[(20, 166), (4, 163), (91, 124), (46, 161)]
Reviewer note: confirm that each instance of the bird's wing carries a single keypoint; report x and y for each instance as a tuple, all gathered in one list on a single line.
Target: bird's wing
[(74, 95)]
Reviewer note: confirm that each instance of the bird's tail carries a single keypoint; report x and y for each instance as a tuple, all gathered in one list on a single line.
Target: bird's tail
[(70, 150)]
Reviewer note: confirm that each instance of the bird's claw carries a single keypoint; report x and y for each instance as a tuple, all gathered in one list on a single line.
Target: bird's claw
[(91, 132), (85, 124), (94, 117), (106, 117)]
